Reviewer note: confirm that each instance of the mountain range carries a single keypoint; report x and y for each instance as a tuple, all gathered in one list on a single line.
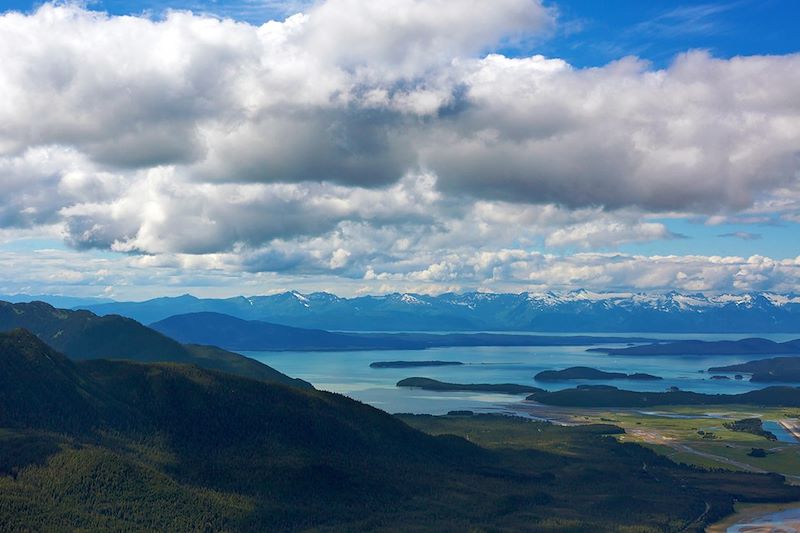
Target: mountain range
[(237, 334), (64, 302), (580, 310)]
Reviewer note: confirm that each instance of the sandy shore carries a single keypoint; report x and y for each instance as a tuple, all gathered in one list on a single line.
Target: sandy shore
[(792, 426)]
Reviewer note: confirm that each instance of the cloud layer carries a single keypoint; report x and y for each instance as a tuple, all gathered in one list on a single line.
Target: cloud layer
[(367, 139)]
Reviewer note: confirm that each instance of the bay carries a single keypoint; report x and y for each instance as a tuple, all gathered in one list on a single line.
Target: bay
[(349, 373)]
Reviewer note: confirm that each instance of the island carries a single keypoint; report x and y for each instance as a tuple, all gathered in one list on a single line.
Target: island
[(752, 346), (753, 426), (441, 386), (585, 372), (780, 369), (412, 364), (609, 396)]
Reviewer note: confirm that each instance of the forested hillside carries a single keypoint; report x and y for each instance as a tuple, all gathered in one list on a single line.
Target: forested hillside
[(112, 445)]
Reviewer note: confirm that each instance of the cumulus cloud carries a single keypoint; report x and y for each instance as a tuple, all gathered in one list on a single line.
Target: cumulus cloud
[(522, 270), (364, 92), (403, 38), (705, 134), (386, 141), (38, 183), (513, 270), (163, 212), (608, 231)]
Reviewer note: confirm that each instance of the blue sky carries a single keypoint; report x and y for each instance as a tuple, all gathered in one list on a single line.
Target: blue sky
[(252, 11), (589, 32), (408, 161), (595, 33)]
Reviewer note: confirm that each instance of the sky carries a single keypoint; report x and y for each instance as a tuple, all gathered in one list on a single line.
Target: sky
[(253, 146)]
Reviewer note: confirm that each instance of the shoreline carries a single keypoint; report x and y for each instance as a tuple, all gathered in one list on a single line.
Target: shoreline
[(746, 513), (791, 426)]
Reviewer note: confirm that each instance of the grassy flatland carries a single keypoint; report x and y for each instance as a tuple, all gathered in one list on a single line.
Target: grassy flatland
[(696, 435), (575, 445)]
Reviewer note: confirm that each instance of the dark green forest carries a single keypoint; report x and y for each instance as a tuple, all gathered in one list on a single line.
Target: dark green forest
[(112, 445), (84, 335)]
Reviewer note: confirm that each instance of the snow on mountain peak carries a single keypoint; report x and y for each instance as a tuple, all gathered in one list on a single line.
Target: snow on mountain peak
[(779, 300), (302, 299), (737, 299), (411, 299), (688, 301), (663, 301)]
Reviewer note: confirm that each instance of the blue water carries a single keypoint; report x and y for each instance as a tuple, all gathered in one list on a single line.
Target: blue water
[(349, 373), (779, 431)]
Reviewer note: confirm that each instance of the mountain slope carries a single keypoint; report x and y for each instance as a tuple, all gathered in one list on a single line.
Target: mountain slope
[(570, 311), (237, 334), (191, 406), (177, 447), (41, 387), (84, 335)]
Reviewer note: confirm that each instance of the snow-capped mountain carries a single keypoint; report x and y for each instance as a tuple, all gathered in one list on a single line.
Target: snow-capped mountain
[(574, 311)]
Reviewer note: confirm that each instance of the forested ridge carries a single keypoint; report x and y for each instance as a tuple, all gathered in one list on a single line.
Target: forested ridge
[(116, 445)]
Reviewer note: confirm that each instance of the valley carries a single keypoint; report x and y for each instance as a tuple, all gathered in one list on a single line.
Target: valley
[(344, 266), (234, 452)]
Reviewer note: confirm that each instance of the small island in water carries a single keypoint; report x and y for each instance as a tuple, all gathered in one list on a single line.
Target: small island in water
[(435, 385), (610, 396), (412, 364), (585, 372), (777, 369)]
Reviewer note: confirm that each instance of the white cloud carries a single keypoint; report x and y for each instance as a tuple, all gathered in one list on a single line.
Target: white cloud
[(512, 270), (383, 141), (705, 134), (607, 231), (521, 270), (331, 95), (404, 38)]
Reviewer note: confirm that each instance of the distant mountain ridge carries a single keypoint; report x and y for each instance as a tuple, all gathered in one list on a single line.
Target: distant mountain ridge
[(236, 334), (56, 300), (580, 310)]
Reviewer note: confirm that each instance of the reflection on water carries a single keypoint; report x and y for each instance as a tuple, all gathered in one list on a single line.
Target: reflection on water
[(779, 431), (662, 414), (349, 373)]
